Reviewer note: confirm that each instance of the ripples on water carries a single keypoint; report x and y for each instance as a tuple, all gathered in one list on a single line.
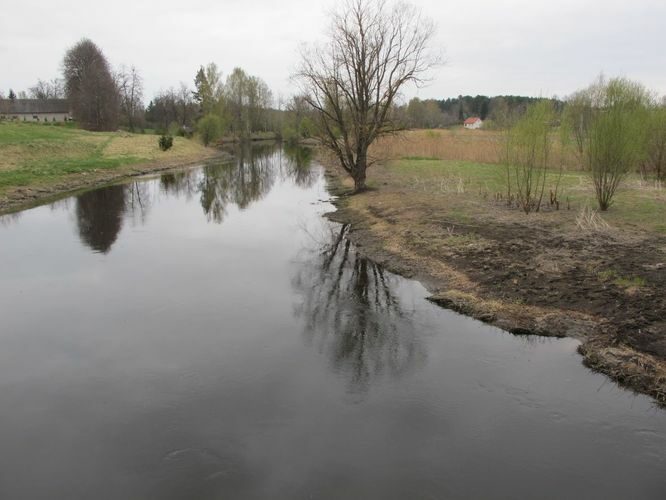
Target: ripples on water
[(208, 334)]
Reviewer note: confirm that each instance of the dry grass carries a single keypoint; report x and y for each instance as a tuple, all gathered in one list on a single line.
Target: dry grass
[(447, 144), (479, 146), (589, 220), (146, 147), (627, 366)]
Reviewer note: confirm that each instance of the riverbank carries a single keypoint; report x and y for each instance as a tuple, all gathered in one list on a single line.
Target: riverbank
[(556, 273), (38, 162)]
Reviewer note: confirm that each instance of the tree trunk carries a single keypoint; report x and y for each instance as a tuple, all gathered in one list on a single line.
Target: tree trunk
[(359, 182), (359, 173)]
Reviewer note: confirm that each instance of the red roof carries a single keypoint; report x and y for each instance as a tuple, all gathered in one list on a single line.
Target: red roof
[(472, 119)]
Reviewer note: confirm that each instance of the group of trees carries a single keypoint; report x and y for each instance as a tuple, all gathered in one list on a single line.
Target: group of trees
[(103, 99), (351, 83), (614, 127), (239, 105)]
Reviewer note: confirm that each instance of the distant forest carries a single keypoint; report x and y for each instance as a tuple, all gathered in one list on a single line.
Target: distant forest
[(498, 111)]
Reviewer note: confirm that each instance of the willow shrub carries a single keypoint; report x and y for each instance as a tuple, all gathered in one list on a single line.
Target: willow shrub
[(610, 121), (528, 149), (209, 128)]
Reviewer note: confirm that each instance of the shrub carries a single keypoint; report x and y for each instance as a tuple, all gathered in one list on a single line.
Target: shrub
[(209, 128), (607, 121), (165, 142), (526, 157)]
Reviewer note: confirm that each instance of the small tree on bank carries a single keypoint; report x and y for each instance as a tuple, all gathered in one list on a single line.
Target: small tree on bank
[(527, 151), (353, 80), (209, 128), (609, 123)]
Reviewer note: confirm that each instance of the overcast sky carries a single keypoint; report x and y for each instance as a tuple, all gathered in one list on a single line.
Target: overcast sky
[(491, 47)]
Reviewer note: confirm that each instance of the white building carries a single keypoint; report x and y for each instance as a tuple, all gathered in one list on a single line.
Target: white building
[(473, 122), (35, 110)]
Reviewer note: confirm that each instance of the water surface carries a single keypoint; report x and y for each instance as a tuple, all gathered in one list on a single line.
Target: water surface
[(208, 334)]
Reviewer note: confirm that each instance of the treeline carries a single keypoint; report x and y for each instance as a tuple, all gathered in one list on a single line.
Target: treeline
[(497, 112), (103, 98), (240, 105)]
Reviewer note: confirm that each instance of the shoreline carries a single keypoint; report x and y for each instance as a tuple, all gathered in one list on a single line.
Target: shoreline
[(22, 198), (452, 287)]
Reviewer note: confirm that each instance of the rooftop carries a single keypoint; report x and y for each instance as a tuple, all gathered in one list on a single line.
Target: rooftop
[(33, 106)]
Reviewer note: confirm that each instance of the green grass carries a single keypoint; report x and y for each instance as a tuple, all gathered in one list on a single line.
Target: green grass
[(621, 281), (633, 205), (35, 154), (57, 168), (23, 133)]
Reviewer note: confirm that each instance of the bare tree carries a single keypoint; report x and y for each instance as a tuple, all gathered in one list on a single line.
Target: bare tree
[(353, 80), (90, 87), (47, 90), (130, 86)]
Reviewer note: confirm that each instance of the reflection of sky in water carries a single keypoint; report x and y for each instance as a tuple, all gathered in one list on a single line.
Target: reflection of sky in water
[(207, 334)]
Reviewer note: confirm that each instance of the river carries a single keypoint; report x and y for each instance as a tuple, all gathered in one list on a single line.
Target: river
[(208, 334)]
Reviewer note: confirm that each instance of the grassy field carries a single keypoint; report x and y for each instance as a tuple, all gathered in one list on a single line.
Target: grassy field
[(34, 155), (463, 164)]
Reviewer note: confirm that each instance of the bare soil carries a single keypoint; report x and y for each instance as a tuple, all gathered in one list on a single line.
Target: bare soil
[(529, 275)]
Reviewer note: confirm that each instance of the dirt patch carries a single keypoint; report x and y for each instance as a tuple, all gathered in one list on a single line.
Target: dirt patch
[(19, 198), (541, 274)]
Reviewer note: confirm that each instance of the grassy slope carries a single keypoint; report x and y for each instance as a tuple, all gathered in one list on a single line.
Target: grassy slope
[(35, 154)]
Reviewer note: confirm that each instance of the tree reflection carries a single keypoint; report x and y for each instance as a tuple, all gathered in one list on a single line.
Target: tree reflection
[(100, 213), (137, 201), (179, 183), (99, 216), (353, 314), (9, 219), (241, 183), (298, 163)]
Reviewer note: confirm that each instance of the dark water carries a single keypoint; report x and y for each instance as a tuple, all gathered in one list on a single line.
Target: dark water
[(207, 334)]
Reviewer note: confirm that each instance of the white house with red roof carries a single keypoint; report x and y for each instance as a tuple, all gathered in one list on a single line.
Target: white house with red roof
[(473, 122)]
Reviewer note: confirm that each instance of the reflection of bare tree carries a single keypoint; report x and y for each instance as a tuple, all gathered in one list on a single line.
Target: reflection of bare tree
[(352, 313), (99, 215), (137, 200), (180, 182)]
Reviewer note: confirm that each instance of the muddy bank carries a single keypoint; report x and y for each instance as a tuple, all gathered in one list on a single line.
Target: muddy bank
[(527, 277), (19, 198)]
